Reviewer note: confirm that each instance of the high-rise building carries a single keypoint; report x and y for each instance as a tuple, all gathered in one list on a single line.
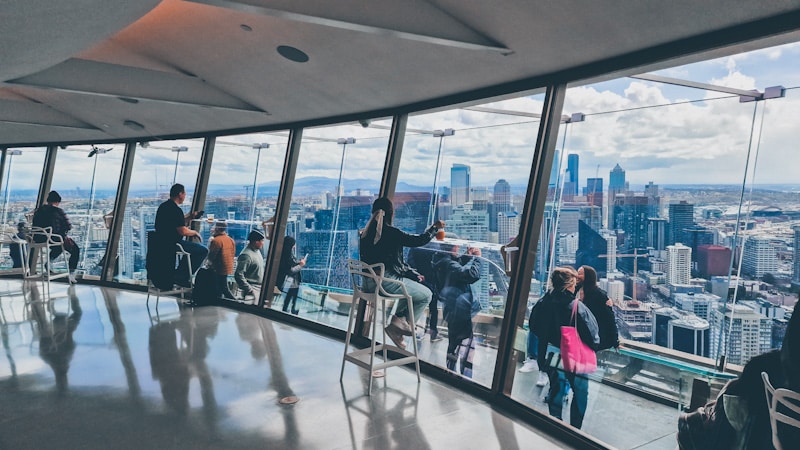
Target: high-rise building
[(468, 223), (713, 260), (679, 264), (681, 217), (657, 232), (507, 226), (695, 236), (616, 185), (572, 173), (749, 336), (698, 304), (760, 256), (690, 334), (501, 202), (323, 267), (591, 244), (459, 184), (630, 215)]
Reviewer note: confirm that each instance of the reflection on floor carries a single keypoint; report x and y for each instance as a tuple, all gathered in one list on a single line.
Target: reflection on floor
[(648, 425), (94, 368)]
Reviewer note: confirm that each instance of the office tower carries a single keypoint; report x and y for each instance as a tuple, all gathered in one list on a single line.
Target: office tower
[(679, 264), (568, 217), (592, 215), (657, 232), (595, 249), (661, 318), (594, 191), (760, 256), (796, 260), (698, 304), (572, 173), (616, 185), (125, 253), (630, 215), (323, 220), (554, 169), (690, 334), (507, 226), (750, 335), (355, 211), (713, 260), (469, 224), (681, 217), (651, 190), (696, 236), (615, 289), (502, 193), (459, 184)]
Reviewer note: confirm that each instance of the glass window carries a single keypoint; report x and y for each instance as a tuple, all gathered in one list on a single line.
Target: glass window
[(678, 198), (468, 167), (19, 190), (86, 177), (157, 166), (338, 176), (243, 186)]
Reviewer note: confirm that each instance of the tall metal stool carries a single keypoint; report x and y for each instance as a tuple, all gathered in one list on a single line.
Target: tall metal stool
[(368, 286), (152, 289)]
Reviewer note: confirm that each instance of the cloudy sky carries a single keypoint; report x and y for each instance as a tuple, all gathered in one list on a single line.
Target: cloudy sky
[(661, 133)]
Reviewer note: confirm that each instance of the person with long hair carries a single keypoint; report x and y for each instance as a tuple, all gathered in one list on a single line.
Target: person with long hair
[(289, 274), (554, 311), (599, 304), (380, 242)]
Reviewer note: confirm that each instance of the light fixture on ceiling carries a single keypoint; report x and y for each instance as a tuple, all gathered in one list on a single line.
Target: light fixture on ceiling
[(129, 100), (365, 122), (292, 54), (246, 27), (133, 125)]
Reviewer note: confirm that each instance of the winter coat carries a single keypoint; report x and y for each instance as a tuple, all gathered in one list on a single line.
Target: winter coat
[(553, 311), (595, 299)]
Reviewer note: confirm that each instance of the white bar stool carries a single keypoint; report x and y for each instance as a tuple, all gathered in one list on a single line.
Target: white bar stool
[(364, 277)]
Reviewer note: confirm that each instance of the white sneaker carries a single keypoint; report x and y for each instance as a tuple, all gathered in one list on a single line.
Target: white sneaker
[(529, 366), (543, 379)]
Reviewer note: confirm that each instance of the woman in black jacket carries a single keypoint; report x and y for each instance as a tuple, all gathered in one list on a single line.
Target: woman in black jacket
[(599, 304), (552, 312), (380, 242)]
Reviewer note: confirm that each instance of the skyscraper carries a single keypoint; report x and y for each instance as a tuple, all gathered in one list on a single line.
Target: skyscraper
[(594, 191), (657, 232), (796, 260), (459, 184), (631, 213), (681, 218), (679, 264), (572, 174), (750, 334), (616, 185), (501, 203), (760, 256)]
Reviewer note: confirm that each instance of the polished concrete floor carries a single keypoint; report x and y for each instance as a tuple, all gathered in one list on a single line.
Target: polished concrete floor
[(88, 367)]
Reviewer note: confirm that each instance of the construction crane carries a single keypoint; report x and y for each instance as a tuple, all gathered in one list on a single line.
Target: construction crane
[(635, 255)]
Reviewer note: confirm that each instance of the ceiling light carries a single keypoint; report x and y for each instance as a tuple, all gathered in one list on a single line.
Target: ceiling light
[(246, 27), (292, 54), (128, 100), (133, 125)]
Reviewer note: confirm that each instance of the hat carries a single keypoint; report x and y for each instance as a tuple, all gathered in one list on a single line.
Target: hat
[(255, 235)]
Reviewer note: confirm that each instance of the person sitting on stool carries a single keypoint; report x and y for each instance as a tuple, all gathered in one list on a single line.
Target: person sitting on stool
[(221, 250), (171, 229), (51, 215)]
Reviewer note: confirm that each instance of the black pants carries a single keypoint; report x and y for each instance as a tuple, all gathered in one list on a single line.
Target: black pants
[(222, 287), (433, 315), (291, 295), (74, 253)]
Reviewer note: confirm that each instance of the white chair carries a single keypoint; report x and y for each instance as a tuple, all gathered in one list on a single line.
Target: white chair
[(784, 408), (364, 277), (41, 242), (179, 290), (10, 238)]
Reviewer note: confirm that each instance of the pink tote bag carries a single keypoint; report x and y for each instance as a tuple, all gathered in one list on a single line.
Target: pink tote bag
[(576, 356)]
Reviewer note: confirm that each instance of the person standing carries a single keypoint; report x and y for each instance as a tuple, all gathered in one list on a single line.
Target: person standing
[(289, 275), (599, 304), (380, 242), (171, 229), (51, 215), (455, 275), (250, 266), (553, 312), (221, 250)]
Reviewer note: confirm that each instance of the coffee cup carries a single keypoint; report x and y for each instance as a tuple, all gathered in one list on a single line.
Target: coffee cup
[(440, 235)]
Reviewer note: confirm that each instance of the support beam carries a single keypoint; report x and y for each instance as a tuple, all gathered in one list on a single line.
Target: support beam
[(47, 174), (203, 173), (120, 203), (394, 151)]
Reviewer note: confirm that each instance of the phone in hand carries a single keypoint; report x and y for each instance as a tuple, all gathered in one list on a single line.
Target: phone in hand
[(306, 257)]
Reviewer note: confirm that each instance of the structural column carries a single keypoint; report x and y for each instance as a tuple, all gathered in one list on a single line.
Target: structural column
[(120, 201)]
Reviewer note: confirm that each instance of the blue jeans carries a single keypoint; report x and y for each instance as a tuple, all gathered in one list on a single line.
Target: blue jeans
[(420, 295), (558, 387)]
